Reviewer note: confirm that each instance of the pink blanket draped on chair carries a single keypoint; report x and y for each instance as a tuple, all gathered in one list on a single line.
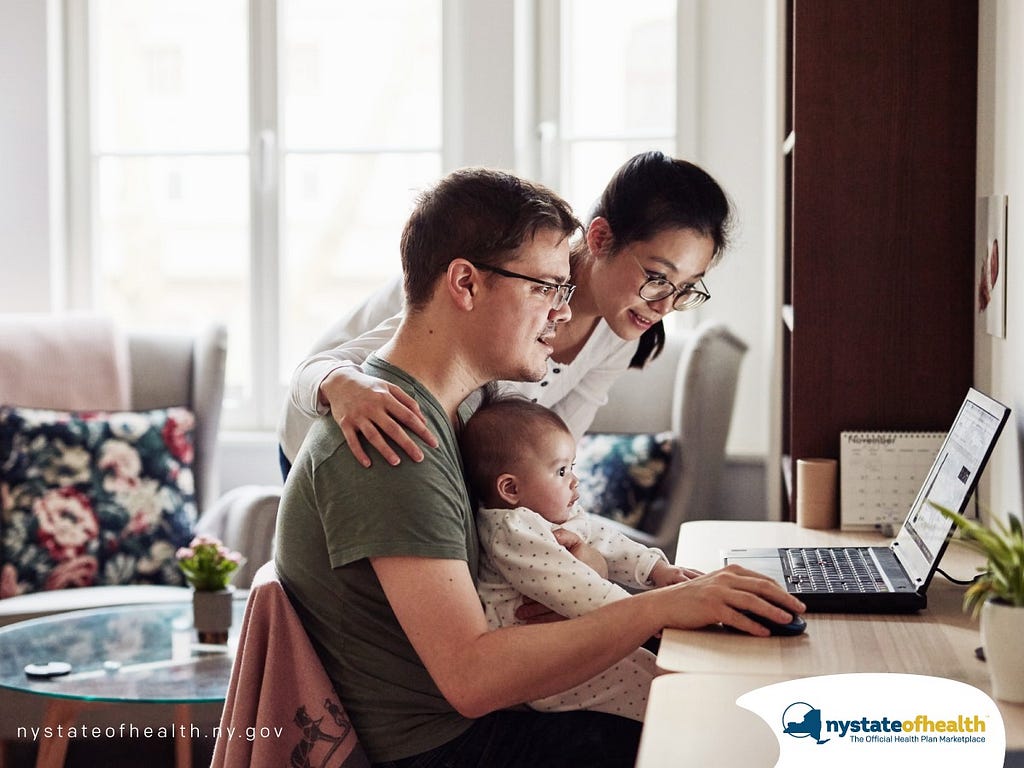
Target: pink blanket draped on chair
[(280, 694), (63, 362)]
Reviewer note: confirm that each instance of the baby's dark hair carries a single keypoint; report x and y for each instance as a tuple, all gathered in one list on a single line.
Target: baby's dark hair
[(498, 435)]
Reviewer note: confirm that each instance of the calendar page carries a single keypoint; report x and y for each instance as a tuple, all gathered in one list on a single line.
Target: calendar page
[(880, 474)]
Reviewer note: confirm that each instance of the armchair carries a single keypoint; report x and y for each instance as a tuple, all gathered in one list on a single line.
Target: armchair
[(44, 359), (688, 391), (163, 370)]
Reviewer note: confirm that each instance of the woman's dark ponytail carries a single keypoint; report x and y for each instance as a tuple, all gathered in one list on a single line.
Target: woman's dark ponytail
[(650, 345)]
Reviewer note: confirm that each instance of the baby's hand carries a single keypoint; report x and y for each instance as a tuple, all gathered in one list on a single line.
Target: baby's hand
[(532, 612), (663, 574)]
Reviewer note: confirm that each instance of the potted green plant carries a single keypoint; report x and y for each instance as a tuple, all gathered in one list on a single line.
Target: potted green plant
[(208, 567), (997, 594)]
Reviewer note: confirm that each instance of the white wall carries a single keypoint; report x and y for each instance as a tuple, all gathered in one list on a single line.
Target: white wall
[(999, 363), (479, 111), (735, 135), (28, 207)]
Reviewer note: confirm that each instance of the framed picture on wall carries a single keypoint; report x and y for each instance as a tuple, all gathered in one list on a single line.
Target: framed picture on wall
[(991, 267)]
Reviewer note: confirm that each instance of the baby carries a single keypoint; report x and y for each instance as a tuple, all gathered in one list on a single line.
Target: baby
[(518, 459)]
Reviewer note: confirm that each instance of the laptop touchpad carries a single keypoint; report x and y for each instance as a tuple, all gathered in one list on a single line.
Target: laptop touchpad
[(769, 566)]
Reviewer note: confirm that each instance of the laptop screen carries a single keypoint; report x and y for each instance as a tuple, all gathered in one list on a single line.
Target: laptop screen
[(949, 483)]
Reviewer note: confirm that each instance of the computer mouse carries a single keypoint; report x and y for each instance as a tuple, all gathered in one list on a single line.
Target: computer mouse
[(795, 627)]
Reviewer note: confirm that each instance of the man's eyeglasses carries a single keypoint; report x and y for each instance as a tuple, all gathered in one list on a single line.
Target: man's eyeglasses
[(560, 293), (687, 297)]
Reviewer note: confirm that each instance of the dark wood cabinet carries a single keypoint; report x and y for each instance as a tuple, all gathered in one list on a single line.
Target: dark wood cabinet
[(880, 201)]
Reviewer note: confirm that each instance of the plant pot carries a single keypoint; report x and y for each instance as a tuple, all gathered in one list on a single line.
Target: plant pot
[(211, 614), (1002, 627)]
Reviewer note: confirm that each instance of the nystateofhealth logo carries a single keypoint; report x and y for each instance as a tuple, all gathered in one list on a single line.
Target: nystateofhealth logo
[(881, 719)]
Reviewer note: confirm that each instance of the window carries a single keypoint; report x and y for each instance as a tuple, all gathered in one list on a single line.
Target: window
[(616, 80), (609, 92), (249, 162), (361, 131)]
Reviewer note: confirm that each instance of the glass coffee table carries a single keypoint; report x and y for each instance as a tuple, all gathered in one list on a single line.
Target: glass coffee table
[(127, 654)]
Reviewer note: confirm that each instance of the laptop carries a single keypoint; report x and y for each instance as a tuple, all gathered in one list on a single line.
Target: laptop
[(892, 579)]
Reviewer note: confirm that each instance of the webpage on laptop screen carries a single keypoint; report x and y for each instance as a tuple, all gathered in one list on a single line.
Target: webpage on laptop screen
[(951, 477)]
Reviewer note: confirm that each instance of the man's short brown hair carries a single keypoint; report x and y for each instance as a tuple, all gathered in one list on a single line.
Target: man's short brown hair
[(477, 214)]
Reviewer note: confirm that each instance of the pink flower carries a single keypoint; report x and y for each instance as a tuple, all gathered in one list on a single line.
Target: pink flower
[(207, 563), (76, 572), (66, 522)]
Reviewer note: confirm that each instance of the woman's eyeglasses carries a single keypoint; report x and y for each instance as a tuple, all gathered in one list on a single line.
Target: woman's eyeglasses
[(560, 293), (687, 297)]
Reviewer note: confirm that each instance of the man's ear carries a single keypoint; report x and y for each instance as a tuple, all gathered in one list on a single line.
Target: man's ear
[(508, 488), (462, 281), (599, 236)]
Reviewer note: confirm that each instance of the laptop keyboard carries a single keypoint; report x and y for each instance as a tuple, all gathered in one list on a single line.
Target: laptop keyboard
[(843, 569)]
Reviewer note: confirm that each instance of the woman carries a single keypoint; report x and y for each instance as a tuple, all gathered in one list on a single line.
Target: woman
[(658, 227)]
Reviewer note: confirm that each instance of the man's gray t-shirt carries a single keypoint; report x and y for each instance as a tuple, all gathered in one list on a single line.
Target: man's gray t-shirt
[(334, 515)]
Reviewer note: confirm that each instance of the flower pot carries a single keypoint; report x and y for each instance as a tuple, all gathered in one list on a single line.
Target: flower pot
[(211, 614), (1002, 627)]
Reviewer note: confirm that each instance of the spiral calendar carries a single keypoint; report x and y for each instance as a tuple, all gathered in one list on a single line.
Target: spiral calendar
[(880, 474)]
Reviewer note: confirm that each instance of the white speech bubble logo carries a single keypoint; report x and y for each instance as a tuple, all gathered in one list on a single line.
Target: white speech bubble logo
[(880, 720)]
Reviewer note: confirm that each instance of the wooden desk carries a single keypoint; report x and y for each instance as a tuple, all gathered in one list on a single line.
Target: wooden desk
[(678, 703), (938, 641)]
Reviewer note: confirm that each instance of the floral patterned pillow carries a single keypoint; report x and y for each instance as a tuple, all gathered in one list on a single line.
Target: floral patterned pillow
[(622, 476), (93, 498)]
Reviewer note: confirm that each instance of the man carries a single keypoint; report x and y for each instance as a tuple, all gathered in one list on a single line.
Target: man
[(381, 563)]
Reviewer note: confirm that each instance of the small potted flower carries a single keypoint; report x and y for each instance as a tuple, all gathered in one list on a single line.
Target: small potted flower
[(208, 567), (997, 593)]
